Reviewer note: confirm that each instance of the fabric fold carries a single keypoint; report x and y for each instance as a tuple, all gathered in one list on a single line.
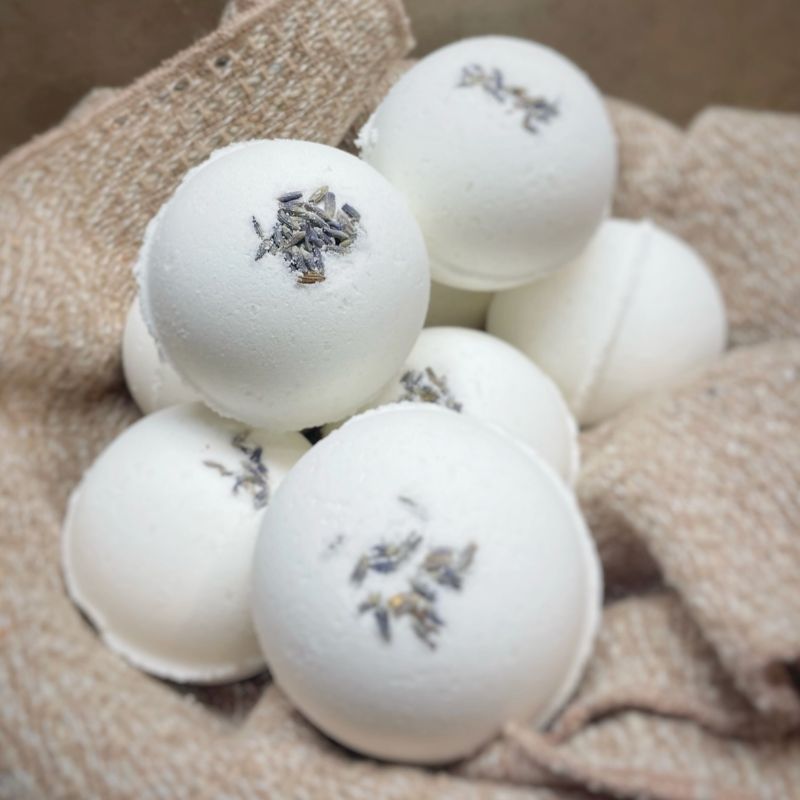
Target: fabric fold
[(708, 477)]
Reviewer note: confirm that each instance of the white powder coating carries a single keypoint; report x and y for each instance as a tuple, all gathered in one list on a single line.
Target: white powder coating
[(157, 548), (499, 204), (637, 311), (450, 306), (152, 382), (487, 378), (514, 638), (257, 345)]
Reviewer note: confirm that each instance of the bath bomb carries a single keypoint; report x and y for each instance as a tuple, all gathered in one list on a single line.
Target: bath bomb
[(505, 153), (637, 311), (152, 382), (285, 281), (449, 306), (159, 536), (482, 376), (421, 578)]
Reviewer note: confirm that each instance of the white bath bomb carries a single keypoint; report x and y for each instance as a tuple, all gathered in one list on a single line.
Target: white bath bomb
[(159, 536), (463, 309), (152, 382), (285, 281), (421, 578), (482, 376), (505, 153), (637, 311)]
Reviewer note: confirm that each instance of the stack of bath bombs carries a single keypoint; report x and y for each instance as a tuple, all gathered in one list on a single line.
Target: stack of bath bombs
[(422, 574), (283, 284), (505, 153)]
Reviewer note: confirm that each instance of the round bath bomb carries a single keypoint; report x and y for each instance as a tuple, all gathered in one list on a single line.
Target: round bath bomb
[(482, 376), (635, 312), (285, 281), (159, 537), (152, 382), (505, 153), (450, 306), (421, 578)]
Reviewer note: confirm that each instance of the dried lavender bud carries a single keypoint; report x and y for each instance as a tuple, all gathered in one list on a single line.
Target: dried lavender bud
[(537, 109), (360, 571), (415, 508), (335, 234), (372, 601), (423, 590), (448, 577), (318, 195), (311, 277), (382, 617), (304, 232), (217, 466), (254, 476), (296, 238), (443, 565), (428, 387), (351, 212), (424, 633)]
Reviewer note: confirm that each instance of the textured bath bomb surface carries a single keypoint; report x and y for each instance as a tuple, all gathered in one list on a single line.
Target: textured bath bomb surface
[(637, 311), (420, 578), (285, 281), (482, 376), (505, 153), (152, 382), (159, 536)]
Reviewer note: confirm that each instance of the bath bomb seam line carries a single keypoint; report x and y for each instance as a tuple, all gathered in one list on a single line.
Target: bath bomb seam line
[(636, 267)]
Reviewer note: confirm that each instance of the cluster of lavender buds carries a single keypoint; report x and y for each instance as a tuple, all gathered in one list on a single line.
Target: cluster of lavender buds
[(385, 557), (537, 110), (253, 476), (305, 230), (428, 387), (442, 565)]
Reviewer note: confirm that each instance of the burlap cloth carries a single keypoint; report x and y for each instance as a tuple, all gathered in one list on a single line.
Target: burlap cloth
[(694, 497)]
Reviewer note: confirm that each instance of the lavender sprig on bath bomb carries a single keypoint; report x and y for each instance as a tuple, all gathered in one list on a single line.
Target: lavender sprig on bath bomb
[(506, 153)]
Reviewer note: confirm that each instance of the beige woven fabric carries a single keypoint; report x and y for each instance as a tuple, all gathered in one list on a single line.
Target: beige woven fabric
[(733, 193), (709, 478), (646, 155), (693, 497), (279, 69)]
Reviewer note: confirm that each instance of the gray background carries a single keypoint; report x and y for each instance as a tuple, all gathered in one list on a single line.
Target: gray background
[(673, 56)]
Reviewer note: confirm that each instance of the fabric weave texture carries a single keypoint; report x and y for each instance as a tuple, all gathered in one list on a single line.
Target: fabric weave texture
[(693, 496)]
